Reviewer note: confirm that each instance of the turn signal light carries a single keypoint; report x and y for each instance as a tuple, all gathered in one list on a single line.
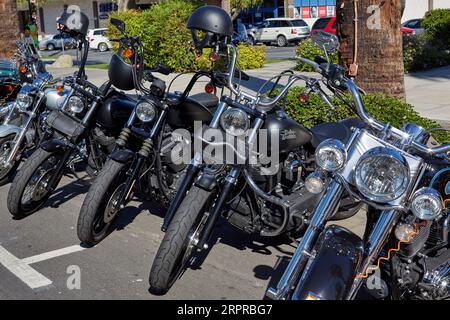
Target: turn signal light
[(128, 53), (303, 98), (59, 89), (9, 88), (209, 88), (213, 56), (23, 69)]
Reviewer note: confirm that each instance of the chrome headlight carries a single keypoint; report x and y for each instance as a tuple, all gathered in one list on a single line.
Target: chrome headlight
[(235, 122), (382, 175), (426, 204), (23, 101), (146, 111), (331, 155), (75, 104)]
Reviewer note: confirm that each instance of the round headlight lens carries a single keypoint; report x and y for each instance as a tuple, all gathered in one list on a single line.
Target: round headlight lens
[(426, 204), (75, 104), (382, 175), (315, 183), (145, 111), (23, 101), (235, 122), (331, 155)]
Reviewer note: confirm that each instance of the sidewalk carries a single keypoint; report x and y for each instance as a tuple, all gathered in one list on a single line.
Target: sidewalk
[(428, 91)]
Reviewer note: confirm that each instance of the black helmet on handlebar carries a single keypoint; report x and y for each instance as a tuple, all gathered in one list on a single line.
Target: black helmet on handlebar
[(75, 23), (210, 26)]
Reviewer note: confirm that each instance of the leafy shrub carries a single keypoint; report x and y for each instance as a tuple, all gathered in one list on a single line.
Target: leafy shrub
[(249, 57), (384, 109), (422, 54), (162, 30), (307, 49), (437, 26)]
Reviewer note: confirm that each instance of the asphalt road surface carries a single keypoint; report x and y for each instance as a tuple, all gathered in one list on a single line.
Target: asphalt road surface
[(97, 57), (41, 257)]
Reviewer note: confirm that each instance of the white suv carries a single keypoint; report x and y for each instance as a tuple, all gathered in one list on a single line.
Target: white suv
[(280, 30), (98, 40)]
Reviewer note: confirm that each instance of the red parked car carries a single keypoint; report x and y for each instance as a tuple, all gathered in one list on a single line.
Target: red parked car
[(329, 25), (325, 24)]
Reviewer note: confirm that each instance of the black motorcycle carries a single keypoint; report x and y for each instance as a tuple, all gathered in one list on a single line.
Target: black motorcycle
[(144, 160), (405, 250), (90, 118), (267, 198), (22, 68)]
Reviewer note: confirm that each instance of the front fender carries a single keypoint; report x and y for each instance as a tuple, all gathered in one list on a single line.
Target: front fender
[(206, 181), (122, 155), (7, 129), (53, 145), (331, 273)]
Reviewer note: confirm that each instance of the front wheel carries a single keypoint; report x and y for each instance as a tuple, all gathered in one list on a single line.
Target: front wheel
[(29, 189), (180, 240), (100, 206), (102, 47), (6, 173), (281, 41)]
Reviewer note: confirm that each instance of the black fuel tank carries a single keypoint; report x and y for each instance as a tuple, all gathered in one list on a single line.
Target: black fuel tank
[(291, 134), (115, 110), (198, 107)]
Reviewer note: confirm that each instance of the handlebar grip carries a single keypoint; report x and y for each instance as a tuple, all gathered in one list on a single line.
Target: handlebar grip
[(313, 64)]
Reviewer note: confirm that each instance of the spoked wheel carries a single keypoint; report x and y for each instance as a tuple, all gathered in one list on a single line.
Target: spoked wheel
[(180, 241), (101, 205), (30, 190), (6, 144)]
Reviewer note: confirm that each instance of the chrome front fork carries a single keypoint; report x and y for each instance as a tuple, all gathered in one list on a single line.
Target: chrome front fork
[(377, 239), (19, 138), (326, 208)]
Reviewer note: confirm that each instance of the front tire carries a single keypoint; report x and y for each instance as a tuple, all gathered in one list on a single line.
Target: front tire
[(29, 190), (94, 221), (176, 249), (5, 147), (50, 47)]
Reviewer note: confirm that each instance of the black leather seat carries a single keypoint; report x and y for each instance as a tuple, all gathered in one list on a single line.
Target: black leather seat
[(336, 130), (206, 99)]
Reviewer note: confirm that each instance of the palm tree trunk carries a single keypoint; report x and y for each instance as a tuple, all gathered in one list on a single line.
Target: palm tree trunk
[(9, 33), (379, 57)]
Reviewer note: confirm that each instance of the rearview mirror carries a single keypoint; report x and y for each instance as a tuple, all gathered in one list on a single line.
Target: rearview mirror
[(325, 40), (119, 24)]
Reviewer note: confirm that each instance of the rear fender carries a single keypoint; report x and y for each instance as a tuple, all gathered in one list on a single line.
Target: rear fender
[(331, 273)]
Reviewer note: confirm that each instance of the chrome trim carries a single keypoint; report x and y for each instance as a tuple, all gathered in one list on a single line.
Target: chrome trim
[(326, 208)]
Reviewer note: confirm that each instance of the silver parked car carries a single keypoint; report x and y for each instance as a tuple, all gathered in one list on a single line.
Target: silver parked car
[(56, 42)]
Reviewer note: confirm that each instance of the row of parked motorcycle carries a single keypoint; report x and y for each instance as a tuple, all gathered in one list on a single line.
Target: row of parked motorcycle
[(129, 145)]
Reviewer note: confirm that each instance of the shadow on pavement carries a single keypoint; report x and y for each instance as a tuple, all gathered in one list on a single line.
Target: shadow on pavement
[(434, 74)]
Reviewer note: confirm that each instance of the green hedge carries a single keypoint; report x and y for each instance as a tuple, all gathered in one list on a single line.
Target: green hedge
[(249, 57), (381, 107), (422, 54), (307, 49), (437, 27), (162, 30)]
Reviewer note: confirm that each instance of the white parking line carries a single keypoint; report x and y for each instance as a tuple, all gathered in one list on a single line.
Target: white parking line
[(23, 271), (21, 267), (52, 254)]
